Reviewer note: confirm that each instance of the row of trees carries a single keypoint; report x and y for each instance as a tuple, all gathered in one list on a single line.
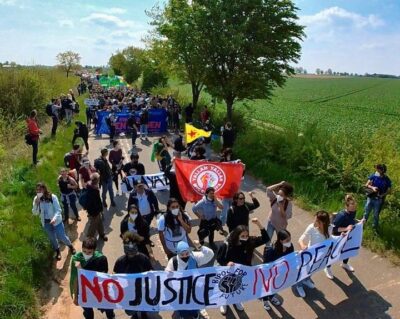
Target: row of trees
[(234, 49)]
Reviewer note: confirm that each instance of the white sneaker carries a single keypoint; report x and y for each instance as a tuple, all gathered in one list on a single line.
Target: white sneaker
[(309, 283), (239, 306), (223, 310), (275, 301), (300, 291), (204, 314), (267, 307), (328, 273), (347, 267)]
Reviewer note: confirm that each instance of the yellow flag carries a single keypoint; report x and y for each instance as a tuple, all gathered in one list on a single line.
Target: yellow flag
[(193, 133)]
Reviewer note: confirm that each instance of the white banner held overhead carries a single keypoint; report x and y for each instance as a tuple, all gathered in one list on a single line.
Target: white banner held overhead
[(91, 102), (211, 286), (155, 182)]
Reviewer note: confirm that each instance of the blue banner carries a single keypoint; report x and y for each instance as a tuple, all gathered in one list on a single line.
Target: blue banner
[(157, 121)]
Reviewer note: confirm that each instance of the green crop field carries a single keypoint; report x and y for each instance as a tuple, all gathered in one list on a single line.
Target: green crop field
[(348, 104)]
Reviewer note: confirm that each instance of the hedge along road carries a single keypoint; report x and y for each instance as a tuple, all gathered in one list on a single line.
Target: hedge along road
[(370, 292)]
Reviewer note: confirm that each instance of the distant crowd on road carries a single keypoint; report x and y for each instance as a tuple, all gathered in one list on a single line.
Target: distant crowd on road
[(86, 186)]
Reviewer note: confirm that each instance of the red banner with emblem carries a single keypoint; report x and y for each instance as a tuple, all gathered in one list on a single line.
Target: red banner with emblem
[(194, 177)]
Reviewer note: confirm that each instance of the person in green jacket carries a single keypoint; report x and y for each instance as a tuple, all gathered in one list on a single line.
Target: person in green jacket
[(89, 259)]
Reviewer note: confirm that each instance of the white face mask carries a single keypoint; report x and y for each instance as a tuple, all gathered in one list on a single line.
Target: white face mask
[(209, 198), (39, 195), (279, 198), (175, 211), (86, 257), (287, 245), (133, 216)]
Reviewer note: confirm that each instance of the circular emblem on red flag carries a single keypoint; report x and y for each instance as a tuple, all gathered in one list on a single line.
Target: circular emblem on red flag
[(207, 175)]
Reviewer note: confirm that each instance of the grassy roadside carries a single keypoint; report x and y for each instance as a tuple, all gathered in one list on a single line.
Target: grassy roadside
[(25, 253)]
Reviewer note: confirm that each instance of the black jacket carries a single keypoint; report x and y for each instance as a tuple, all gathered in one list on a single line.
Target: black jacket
[(142, 230), (228, 137), (241, 254), (271, 254), (239, 215), (174, 191), (152, 199), (103, 167), (94, 205)]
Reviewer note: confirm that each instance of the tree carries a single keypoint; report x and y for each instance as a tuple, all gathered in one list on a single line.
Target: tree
[(318, 71), (68, 61), (129, 63), (176, 42), (329, 72), (248, 46), (117, 63)]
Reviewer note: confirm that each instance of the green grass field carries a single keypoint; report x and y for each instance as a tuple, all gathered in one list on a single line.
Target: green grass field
[(337, 104)]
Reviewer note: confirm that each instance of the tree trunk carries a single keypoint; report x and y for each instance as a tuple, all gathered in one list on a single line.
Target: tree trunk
[(229, 108), (67, 73), (196, 90)]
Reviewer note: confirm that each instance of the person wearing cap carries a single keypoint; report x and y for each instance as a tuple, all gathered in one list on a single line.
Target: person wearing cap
[(103, 167), (145, 200), (378, 186), (186, 259), (132, 262), (82, 132)]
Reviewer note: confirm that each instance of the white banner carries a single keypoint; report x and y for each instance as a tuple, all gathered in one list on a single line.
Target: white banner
[(211, 286), (155, 182), (91, 102)]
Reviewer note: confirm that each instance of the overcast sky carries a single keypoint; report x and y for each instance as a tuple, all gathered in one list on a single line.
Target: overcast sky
[(345, 35)]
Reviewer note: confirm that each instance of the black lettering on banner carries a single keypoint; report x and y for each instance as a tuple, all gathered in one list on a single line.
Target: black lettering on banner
[(181, 290), (194, 291), (152, 301), (316, 260), (145, 180), (169, 288), (302, 255), (336, 246), (327, 255), (138, 293), (207, 288), (344, 250), (189, 290)]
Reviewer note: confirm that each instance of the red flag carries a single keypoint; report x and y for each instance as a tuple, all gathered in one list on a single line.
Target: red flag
[(194, 177)]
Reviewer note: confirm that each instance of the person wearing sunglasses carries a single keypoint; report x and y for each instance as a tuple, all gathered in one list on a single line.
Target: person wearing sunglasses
[(238, 213)]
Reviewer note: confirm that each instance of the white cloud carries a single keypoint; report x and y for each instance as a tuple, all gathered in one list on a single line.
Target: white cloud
[(331, 16), (66, 23), (8, 2), (108, 21), (115, 10)]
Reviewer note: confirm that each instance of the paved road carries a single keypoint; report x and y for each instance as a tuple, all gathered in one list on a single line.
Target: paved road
[(371, 292)]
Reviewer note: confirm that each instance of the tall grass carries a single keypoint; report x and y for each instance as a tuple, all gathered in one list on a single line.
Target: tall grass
[(25, 254)]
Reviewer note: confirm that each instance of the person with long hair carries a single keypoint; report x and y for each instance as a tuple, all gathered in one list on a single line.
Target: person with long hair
[(34, 132), (68, 187), (238, 249), (47, 206), (173, 227), (280, 196), (281, 247), (238, 213), (315, 233), (134, 222)]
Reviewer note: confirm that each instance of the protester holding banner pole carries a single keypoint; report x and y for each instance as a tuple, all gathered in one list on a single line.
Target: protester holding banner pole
[(283, 246), (281, 206), (315, 233), (239, 248), (173, 227)]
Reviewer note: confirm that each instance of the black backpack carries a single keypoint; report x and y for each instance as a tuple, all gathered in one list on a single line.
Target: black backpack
[(49, 109), (67, 158)]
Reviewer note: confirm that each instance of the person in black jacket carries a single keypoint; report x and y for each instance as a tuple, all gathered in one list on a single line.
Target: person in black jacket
[(106, 176), (94, 208), (238, 213), (134, 222), (134, 167), (228, 136), (282, 247), (83, 132), (239, 248), (178, 145), (145, 200), (174, 191)]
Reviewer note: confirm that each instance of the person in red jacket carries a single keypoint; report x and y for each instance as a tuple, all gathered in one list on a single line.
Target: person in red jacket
[(34, 131)]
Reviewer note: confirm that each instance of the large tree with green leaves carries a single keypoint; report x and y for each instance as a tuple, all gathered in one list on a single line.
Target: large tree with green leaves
[(68, 61), (176, 42), (248, 46), (128, 62)]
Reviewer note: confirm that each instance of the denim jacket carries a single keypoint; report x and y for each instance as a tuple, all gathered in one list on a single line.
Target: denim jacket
[(53, 209)]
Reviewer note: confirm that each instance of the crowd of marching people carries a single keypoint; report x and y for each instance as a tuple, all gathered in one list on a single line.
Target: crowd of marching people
[(93, 185)]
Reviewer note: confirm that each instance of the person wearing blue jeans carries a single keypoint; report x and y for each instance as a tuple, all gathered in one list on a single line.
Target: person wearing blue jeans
[(107, 185), (143, 130), (226, 203), (103, 167), (378, 186)]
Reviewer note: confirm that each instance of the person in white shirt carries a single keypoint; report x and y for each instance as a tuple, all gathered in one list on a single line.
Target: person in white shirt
[(185, 259), (315, 233)]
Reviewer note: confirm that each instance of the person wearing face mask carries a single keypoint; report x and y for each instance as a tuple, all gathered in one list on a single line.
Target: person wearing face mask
[(185, 259), (116, 159), (281, 206), (206, 211), (238, 213), (282, 247), (344, 221), (173, 227), (132, 262), (378, 186), (46, 205), (134, 164), (315, 233), (85, 172), (239, 248), (67, 186), (88, 259), (135, 223)]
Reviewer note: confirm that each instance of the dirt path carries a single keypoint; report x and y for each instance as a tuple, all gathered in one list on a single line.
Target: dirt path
[(371, 292)]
